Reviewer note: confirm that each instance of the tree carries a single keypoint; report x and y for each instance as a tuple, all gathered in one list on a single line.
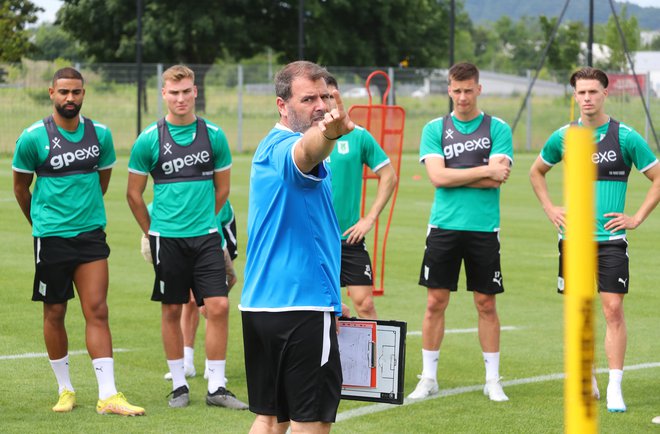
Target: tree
[(338, 32), (15, 15), (485, 40), (630, 30), (374, 32), (519, 44), (655, 44), (195, 33), (564, 51), (51, 42)]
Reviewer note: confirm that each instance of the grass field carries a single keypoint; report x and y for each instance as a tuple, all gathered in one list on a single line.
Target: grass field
[(532, 352)]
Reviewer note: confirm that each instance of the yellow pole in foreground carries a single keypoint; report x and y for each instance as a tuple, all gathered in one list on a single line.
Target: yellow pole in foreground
[(579, 271)]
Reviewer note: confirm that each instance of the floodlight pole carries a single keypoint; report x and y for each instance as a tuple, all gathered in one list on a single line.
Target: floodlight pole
[(301, 29), (590, 41), (452, 28), (138, 61)]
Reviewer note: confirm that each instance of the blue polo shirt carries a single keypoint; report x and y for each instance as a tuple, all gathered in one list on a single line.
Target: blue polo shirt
[(294, 247)]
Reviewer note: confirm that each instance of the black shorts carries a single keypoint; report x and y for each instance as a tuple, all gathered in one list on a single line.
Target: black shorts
[(355, 265), (446, 249), (292, 365), (613, 267), (57, 258), (182, 264), (229, 232)]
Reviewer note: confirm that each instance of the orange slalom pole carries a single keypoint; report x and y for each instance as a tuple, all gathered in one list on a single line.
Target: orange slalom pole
[(580, 269)]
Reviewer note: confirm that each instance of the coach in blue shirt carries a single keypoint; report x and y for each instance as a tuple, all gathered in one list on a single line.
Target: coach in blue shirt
[(291, 291)]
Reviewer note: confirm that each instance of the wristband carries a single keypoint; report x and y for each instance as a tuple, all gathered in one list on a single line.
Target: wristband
[(336, 138)]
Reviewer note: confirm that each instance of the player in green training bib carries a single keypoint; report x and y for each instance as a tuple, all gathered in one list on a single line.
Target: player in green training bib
[(619, 147), (347, 159), (467, 155), (190, 312), (189, 160), (73, 158)]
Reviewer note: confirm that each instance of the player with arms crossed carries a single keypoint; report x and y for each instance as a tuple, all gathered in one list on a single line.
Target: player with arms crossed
[(467, 155)]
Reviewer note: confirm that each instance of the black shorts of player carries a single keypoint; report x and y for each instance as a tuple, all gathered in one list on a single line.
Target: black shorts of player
[(613, 267), (446, 249), (292, 365), (355, 265), (229, 232), (57, 258), (182, 264)]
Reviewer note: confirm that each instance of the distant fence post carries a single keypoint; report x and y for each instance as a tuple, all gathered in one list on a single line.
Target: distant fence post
[(159, 86), (239, 139), (647, 124), (390, 96), (528, 146)]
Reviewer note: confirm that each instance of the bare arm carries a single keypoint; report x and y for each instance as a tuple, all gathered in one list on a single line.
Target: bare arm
[(315, 145), (221, 182), (441, 176), (537, 172), (386, 183), (104, 179), (489, 182), (22, 182), (621, 221), (485, 183), (136, 185)]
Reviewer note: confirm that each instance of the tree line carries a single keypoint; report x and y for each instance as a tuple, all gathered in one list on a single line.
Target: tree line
[(411, 33)]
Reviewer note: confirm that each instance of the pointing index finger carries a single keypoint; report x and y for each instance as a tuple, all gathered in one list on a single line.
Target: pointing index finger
[(338, 100)]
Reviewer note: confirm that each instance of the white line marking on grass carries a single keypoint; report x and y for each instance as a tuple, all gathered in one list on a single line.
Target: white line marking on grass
[(377, 408), (38, 355), (470, 330)]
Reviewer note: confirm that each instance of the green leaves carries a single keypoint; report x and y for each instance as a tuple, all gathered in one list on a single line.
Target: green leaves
[(15, 15)]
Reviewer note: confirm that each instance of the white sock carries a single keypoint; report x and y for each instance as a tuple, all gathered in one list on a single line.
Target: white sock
[(188, 358), (430, 364), (616, 375), (216, 374), (178, 375), (61, 370), (492, 362), (104, 368)]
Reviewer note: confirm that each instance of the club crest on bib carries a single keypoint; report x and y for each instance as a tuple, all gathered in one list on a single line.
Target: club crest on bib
[(342, 146)]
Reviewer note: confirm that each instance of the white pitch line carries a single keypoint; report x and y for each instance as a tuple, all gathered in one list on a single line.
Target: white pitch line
[(470, 330), (377, 408), (39, 355)]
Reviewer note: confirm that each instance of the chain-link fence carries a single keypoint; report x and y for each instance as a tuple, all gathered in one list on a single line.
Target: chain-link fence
[(240, 98)]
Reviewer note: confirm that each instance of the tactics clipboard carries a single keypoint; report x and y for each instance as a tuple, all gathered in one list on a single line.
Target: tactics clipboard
[(373, 359)]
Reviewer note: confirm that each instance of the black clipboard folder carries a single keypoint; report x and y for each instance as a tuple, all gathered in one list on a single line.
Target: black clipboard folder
[(373, 356)]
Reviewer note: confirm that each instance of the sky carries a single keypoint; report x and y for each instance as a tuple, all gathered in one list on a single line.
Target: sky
[(52, 6)]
